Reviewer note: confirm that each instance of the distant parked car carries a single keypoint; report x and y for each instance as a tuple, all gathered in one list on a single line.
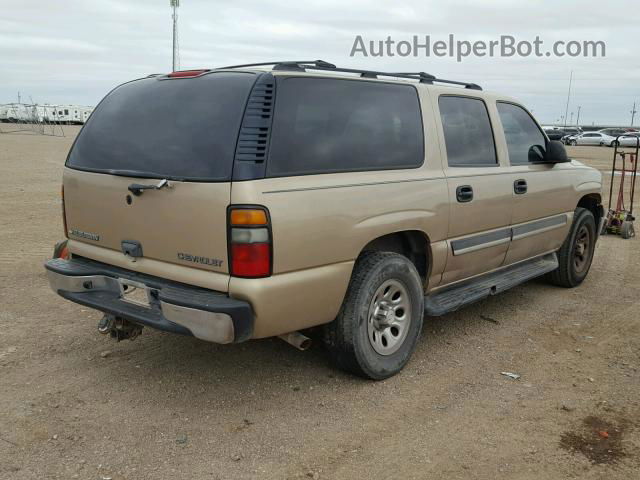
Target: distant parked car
[(591, 138), (613, 132), (555, 133), (628, 140)]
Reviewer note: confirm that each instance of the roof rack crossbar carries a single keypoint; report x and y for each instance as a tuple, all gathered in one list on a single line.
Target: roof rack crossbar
[(301, 66)]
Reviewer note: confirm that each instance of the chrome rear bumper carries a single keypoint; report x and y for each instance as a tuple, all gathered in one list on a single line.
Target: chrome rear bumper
[(164, 305)]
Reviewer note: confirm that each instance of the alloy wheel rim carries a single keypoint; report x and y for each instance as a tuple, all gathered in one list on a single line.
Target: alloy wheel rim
[(389, 317), (581, 250)]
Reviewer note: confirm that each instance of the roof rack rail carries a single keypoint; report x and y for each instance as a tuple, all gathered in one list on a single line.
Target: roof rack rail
[(427, 78), (284, 65), (301, 66)]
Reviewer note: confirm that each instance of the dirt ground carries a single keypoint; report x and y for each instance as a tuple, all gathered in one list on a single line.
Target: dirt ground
[(74, 404)]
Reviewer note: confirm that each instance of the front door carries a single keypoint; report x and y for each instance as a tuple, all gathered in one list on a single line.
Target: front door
[(541, 194)]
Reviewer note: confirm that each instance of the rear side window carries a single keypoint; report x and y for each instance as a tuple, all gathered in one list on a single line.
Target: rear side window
[(525, 141), (182, 129), (467, 132), (329, 125)]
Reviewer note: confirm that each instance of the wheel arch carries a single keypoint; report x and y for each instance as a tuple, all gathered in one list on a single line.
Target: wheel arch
[(592, 202), (413, 244)]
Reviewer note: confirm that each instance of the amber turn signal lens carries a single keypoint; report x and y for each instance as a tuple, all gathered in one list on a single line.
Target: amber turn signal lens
[(246, 216)]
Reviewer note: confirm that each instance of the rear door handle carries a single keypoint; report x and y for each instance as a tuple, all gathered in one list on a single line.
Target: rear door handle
[(464, 193), (520, 187)]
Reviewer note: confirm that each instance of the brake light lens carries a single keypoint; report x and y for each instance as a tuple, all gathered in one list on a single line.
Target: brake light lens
[(187, 73), (250, 260), (249, 242)]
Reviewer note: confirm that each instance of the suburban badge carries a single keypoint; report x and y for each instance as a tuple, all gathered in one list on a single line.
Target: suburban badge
[(187, 257)]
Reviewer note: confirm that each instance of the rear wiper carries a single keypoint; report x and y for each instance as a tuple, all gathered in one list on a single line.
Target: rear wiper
[(138, 189)]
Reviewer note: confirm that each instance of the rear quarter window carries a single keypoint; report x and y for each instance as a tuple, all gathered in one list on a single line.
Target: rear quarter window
[(333, 125)]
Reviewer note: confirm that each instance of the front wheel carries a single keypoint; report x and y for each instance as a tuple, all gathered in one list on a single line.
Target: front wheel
[(615, 143), (573, 142), (380, 320), (576, 253)]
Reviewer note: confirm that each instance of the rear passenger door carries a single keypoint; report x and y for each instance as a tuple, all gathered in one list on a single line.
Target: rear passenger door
[(479, 195), (542, 193)]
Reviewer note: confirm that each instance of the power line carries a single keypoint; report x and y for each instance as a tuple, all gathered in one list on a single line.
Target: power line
[(566, 110), (175, 60)]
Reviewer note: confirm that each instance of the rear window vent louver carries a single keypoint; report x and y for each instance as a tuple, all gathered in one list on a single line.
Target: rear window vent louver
[(253, 140)]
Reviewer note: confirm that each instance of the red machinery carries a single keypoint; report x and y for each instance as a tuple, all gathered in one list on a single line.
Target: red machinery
[(620, 220)]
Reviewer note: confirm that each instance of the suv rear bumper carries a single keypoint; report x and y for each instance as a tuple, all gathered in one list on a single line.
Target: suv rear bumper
[(172, 307)]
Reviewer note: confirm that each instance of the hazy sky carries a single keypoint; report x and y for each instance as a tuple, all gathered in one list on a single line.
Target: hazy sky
[(75, 51)]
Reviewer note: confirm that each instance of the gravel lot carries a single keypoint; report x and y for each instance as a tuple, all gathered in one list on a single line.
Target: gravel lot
[(74, 404)]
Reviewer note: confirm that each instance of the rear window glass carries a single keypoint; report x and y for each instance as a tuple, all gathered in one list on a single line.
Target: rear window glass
[(467, 132), (330, 125), (182, 129)]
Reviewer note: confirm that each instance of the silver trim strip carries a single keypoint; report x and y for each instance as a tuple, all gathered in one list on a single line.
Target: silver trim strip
[(462, 251), (539, 226), (480, 241)]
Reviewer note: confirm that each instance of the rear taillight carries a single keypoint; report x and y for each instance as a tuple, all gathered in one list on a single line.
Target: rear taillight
[(64, 213), (250, 248)]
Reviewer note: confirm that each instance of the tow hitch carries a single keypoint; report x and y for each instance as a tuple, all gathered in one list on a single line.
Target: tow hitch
[(119, 328)]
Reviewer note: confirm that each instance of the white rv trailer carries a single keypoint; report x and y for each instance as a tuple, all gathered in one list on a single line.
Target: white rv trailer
[(86, 111)]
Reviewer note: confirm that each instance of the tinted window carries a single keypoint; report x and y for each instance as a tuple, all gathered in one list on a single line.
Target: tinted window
[(329, 125), (467, 132), (525, 141), (180, 129)]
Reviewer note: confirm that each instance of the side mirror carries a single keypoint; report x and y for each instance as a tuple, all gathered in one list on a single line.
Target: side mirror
[(556, 153)]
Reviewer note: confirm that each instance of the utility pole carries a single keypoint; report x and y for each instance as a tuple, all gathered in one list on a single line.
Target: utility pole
[(633, 113), (566, 110), (578, 117), (175, 4)]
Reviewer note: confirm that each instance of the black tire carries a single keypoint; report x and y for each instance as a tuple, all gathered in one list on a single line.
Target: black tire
[(626, 230), (573, 143), (348, 336), (615, 143), (575, 261)]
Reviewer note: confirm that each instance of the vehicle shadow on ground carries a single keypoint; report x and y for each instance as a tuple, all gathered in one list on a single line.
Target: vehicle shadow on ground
[(175, 367)]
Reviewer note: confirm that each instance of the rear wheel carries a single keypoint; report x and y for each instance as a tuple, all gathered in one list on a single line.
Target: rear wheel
[(576, 253), (380, 320), (626, 230)]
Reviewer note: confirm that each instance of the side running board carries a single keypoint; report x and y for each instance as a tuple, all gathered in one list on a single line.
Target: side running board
[(451, 299)]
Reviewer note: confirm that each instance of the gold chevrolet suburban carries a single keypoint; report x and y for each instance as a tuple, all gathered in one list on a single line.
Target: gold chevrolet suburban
[(262, 200)]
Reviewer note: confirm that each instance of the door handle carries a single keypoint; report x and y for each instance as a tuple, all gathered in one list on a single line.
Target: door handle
[(520, 187), (464, 193)]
